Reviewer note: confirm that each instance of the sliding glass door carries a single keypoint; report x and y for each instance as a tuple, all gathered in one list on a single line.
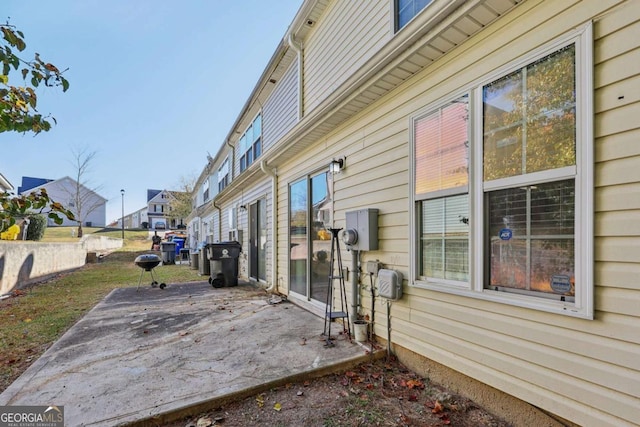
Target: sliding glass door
[(310, 210)]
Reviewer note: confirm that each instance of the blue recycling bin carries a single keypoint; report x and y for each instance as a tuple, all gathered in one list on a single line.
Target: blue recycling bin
[(179, 244)]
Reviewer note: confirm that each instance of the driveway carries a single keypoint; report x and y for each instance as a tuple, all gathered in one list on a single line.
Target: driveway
[(154, 355)]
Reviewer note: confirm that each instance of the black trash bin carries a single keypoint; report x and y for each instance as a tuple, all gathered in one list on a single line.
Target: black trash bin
[(223, 257), (168, 250)]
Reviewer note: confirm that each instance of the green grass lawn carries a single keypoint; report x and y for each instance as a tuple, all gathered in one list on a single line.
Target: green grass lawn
[(136, 240), (35, 317)]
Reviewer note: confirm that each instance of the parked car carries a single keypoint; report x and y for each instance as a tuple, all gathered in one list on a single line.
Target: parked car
[(160, 225)]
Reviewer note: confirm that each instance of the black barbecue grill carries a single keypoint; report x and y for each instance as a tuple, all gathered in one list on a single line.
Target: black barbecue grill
[(147, 262)]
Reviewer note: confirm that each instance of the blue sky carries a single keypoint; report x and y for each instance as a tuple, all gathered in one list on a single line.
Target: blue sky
[(155, 85)]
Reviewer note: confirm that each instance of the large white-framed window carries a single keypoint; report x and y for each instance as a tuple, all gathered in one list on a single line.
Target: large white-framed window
[(251, 143), (502, 188), (441, 183)]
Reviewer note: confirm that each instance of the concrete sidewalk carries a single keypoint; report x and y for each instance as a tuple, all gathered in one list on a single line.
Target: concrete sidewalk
[(154, 355)]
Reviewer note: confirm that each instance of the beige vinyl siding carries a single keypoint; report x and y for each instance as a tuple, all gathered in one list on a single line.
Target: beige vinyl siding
[(280, 112), (351, 32), (586, 371), (258, 190)]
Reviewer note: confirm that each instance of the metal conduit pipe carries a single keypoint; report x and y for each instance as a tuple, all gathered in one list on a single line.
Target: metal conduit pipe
[(274, 224), (355, 294)]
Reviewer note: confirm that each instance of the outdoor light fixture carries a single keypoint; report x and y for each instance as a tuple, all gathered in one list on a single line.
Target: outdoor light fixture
[(122, 192), (336, 165)]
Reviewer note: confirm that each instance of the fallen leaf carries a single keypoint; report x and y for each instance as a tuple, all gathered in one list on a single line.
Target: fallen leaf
[(204, 422), (415, 384), (437, 408), (413, 398), (260, 400), (277, 407), (27, 320), (183, 333)]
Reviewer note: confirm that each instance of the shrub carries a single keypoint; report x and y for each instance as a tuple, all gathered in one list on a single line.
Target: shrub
[(37, 226)]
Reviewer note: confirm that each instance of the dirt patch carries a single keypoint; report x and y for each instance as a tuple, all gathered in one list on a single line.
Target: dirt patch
[(381, 393)]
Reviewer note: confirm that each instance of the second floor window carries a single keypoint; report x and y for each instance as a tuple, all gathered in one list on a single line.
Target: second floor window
[(251, 143), (407, 9), (205, 190), (223, 175)]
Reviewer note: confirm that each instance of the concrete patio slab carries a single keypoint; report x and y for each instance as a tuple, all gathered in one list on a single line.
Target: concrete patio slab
[(148, 356)]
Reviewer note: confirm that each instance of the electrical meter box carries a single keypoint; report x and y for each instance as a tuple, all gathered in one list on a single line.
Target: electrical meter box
[(390, 284), (361, 231)]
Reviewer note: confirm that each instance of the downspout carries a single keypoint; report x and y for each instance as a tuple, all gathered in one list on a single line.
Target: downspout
[(274, 224), (213, 202), (233, 160), (297, 47)]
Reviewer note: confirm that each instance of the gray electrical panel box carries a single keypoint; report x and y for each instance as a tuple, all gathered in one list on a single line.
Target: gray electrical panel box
[(361, 231)]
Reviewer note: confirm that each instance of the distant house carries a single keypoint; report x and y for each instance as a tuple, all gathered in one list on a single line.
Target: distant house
[(159, 208), (88, 206), (5, 185), (139, 218), (136, 219)]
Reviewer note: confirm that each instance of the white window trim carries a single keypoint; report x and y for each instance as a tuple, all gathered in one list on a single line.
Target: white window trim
[(223, 170), (249, 145), (583, 306)]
